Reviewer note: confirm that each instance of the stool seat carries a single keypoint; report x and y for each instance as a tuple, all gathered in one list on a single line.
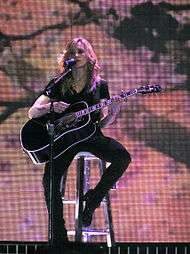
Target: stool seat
[(81, 233), (86, 155)]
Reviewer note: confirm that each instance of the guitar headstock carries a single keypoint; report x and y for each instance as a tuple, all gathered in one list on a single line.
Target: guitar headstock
[(149, 89)]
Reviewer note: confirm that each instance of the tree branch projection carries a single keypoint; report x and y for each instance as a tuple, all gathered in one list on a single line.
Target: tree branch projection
[(167, 137), (153, 27), (149, 25), (13, 68)]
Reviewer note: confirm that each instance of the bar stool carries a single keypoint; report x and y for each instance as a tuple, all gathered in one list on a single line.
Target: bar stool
[(83, 165)]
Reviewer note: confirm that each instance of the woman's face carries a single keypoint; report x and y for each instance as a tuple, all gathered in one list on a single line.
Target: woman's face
[(80, 56)]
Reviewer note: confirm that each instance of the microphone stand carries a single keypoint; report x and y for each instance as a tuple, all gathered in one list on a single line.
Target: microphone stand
[(51, 132)]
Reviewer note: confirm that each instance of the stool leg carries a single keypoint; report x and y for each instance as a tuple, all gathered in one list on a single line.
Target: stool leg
[(107, 211), (79, 199), (63, 183), (86, 175), (87, 164)]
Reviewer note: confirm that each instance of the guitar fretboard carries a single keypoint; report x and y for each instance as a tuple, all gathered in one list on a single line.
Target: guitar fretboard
[(105, 103)]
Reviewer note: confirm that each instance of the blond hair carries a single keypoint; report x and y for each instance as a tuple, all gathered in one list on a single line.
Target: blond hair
[(93, 67)]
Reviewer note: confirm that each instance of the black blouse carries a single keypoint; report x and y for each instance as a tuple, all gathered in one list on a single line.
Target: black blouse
[(90, 96)]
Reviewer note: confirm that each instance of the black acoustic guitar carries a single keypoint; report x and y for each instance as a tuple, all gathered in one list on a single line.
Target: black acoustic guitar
[(72, 126)]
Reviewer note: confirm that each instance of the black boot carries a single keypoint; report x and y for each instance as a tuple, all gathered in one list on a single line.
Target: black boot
[(60, 237), (90, 205)]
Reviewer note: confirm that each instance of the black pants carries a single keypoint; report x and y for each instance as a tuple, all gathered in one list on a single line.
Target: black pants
[(104, 148)]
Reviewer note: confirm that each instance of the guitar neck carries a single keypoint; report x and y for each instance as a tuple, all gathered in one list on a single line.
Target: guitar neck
[(104, 103)]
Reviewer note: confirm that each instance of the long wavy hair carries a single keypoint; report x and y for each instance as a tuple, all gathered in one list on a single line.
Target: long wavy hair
[(93, 67)]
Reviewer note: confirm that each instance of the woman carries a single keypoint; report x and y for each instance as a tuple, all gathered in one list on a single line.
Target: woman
[(82, 84)]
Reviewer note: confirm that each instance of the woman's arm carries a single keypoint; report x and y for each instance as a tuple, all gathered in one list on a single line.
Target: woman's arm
[(110, 113), (42, 106)]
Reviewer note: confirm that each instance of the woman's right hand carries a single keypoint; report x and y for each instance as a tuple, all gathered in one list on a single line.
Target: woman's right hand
[(60, 106), (42, 106)]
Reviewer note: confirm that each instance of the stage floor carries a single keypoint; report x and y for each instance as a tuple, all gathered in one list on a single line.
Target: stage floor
[(93, 248)]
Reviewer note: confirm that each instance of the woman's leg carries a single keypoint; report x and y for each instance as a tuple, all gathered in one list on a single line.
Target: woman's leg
[(111, 151), (60, 167)]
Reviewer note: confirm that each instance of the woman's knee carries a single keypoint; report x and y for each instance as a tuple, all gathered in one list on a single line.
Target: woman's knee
[(124, 159)]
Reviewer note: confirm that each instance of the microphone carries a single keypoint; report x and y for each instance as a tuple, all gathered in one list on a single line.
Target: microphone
[(69, 62)]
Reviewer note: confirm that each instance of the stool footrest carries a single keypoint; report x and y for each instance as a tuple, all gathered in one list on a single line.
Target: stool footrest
[(66, 201), (70, 202), (90, 232)]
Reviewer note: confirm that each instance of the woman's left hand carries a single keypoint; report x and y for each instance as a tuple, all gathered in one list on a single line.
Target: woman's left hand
[(115, 107)]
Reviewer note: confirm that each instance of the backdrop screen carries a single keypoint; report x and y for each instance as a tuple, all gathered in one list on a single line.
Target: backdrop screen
[(138, 43)]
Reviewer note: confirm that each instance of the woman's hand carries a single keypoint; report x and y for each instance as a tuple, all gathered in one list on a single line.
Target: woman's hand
[(110, 114), (42, 106), (115, 107), (60, 106)]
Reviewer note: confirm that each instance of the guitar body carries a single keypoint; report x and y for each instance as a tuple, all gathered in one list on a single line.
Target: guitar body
[(35, 139)]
